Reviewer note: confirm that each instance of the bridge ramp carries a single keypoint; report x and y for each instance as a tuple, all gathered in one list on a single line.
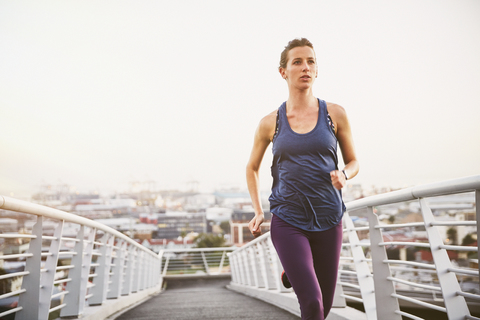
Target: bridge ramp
[(204, 299)]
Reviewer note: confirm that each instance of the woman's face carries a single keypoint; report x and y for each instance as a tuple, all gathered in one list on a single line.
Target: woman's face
[(301, 67)]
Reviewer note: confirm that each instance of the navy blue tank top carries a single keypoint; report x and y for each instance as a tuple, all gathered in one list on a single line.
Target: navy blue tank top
[(302, 190)]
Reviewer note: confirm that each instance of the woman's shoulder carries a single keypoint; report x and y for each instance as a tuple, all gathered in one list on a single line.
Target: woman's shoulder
[(266, 127), (338, 114), (336, 110)]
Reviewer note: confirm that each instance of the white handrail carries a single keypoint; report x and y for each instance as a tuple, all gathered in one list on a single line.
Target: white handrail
[(385, 292), (12, 204), (428, 190), (107, 283), (245, 272)]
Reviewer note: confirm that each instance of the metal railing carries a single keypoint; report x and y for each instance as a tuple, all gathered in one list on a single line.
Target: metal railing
[(195, 262), (100, 263), (257, 265), (65, 275), (375, 276)]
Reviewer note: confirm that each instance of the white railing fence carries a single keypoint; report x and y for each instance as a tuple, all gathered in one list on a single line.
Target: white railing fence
[(195, 262), (256, 264), (376, 277), (65, 274)]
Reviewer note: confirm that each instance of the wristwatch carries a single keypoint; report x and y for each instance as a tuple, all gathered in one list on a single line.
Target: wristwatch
[(346, 177)]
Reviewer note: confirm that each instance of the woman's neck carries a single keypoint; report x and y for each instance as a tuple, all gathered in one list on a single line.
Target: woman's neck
[(301, 100)]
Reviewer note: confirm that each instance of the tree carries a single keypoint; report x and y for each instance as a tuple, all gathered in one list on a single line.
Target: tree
[(225, 226), (391, 219), (209, 240), (452, 235), (468, 240)]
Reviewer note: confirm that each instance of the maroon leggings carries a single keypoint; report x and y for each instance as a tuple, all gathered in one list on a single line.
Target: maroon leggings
[(310, 260)]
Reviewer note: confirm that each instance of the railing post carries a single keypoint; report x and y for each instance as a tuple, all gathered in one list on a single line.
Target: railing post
[(29, 300), (77, 287), (117, 276), (456, 306), (252, 256), (265, 264), (246, 266), (234, 267), (141, 270), (477, 208), (158, 270), (220, 267), (165, 266), (148, 266), (87, 261), (205, 263), (46, 281), (136, 271), (241, 267), (154, 272), (383, 288), (153, 276), (99, 291), (127, 285), (257, 266), (150, 280)]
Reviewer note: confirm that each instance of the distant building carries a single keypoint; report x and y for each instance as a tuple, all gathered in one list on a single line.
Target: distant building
[(130, 227), (160, 244), (218, 214), (177, 224), (8, 225)]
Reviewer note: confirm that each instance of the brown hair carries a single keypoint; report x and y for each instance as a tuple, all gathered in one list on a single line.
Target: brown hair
[(299, 42)]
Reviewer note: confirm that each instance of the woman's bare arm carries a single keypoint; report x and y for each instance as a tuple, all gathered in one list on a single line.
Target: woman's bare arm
[(345, 141), (263, 137)]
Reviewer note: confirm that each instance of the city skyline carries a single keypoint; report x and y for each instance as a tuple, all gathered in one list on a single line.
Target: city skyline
[(97, 95)]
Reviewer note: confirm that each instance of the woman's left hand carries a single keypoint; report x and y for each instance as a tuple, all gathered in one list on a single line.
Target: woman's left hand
[(338, 179)]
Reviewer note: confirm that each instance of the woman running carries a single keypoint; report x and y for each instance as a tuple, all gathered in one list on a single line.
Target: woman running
[(306, 199)]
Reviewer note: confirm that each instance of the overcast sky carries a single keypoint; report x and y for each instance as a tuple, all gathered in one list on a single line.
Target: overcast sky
[(97, 94)]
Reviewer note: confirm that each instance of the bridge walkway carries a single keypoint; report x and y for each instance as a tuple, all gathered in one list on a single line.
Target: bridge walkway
[(204, 299)]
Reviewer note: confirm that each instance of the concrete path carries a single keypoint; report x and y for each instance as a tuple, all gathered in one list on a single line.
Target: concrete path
[(204, 299)]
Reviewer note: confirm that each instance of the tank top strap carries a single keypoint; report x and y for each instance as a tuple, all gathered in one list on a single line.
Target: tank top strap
[(322, 105), (279, 120)]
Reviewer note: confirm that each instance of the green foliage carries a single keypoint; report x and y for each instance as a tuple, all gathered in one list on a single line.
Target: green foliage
[(225, 226), (209, 240), (452, 235), (468, 240), (391, 219)]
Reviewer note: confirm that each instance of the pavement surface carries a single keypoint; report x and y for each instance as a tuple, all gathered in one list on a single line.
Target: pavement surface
[(204, 299)]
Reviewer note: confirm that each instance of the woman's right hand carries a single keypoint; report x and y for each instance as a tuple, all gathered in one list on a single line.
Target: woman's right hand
[(255, 223)]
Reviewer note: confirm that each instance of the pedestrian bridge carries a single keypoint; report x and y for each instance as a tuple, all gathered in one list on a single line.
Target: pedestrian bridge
[(108, 275)]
